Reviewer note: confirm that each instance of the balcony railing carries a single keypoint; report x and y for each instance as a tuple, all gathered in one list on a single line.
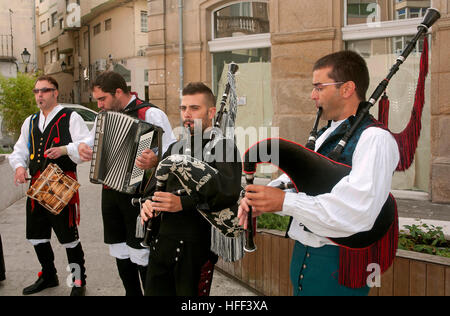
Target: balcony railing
[(227, 25), (6, 46)]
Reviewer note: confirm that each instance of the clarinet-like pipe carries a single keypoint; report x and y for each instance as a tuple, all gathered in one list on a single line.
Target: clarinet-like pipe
[(313, 135), (149, 224), (249, 241)]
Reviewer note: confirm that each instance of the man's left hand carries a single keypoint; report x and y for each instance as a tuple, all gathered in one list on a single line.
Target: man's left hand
[(147, 160), (55, 152), (166, 202)]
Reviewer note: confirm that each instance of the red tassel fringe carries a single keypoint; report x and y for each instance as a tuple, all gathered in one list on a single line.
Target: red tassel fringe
[(33, 180), (74, 204), (353, 263), (407, 140)]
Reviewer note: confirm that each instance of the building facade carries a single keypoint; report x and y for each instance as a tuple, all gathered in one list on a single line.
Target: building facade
[(78, 39), (16, 25), (275, 43)]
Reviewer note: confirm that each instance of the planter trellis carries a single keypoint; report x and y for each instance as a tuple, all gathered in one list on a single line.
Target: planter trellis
[(267, 270)]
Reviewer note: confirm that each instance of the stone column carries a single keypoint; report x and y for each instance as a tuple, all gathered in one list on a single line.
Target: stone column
[(156, 53), (440, 106), (302, 32)]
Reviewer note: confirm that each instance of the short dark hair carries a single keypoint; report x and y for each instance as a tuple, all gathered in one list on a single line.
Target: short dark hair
[(49, 79), (347, 66), (109, 82), (200, 88)]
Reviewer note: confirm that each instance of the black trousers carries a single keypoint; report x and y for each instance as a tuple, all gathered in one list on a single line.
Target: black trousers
[(175, 267), (40, 223), (119, 218)]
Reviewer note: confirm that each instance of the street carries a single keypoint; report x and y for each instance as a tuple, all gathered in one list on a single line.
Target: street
[(22, 265)]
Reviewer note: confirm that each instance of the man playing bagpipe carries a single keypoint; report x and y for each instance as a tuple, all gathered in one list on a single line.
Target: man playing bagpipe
[(181, 262), (321, 264)]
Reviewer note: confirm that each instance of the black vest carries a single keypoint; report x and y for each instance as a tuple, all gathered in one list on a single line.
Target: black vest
[(56, 134)]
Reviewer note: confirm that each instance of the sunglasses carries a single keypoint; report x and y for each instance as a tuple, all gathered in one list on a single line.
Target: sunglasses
[(43, 90)]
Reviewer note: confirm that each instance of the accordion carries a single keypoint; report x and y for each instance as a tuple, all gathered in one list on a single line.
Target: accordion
[(119, 140)]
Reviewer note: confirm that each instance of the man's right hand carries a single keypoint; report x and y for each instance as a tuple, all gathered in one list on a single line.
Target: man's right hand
[(20, 176), (85, 152)]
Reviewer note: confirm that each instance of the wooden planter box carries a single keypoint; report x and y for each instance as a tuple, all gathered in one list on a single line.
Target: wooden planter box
[(267, 270)]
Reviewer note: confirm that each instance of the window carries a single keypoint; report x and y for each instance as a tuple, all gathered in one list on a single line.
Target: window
[(52, 56), (144, 21), (244, 18), (401, 14), (241, 35), (367, 11), (46, 58), (97, 29), (54, 19), (400, 20), (108, 25), (43, 27), (61, 24)]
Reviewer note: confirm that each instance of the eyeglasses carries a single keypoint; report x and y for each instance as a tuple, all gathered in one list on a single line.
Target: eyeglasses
[(43, 90), (319, 86)]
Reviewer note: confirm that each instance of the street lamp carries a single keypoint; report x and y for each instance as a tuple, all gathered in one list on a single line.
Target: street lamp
[(25, 58)]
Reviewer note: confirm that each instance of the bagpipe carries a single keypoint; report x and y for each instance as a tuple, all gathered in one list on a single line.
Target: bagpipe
[(315, 174), (197, 178)]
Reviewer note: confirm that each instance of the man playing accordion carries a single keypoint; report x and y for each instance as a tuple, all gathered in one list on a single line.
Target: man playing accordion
[(119, 216)]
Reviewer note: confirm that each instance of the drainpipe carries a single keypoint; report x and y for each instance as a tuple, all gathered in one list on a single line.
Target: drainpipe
[(180, 23), (90, 72), (180, 12)]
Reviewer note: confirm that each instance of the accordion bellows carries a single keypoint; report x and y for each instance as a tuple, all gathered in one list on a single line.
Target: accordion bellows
[(119, 140)]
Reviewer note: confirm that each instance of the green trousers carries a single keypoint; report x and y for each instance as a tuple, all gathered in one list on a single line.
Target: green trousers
[(314, 272)]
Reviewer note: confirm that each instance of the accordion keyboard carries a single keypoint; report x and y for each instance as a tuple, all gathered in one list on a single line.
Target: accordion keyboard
[(145, 141)]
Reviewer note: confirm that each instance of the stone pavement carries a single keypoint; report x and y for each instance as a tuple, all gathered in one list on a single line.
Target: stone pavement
[(102, 276), (103, 280)]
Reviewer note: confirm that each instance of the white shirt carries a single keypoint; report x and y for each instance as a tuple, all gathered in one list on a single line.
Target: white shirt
[(153, 116), (77, 128), (355, 202)]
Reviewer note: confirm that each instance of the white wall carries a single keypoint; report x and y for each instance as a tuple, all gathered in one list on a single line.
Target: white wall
[(9, 193)]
